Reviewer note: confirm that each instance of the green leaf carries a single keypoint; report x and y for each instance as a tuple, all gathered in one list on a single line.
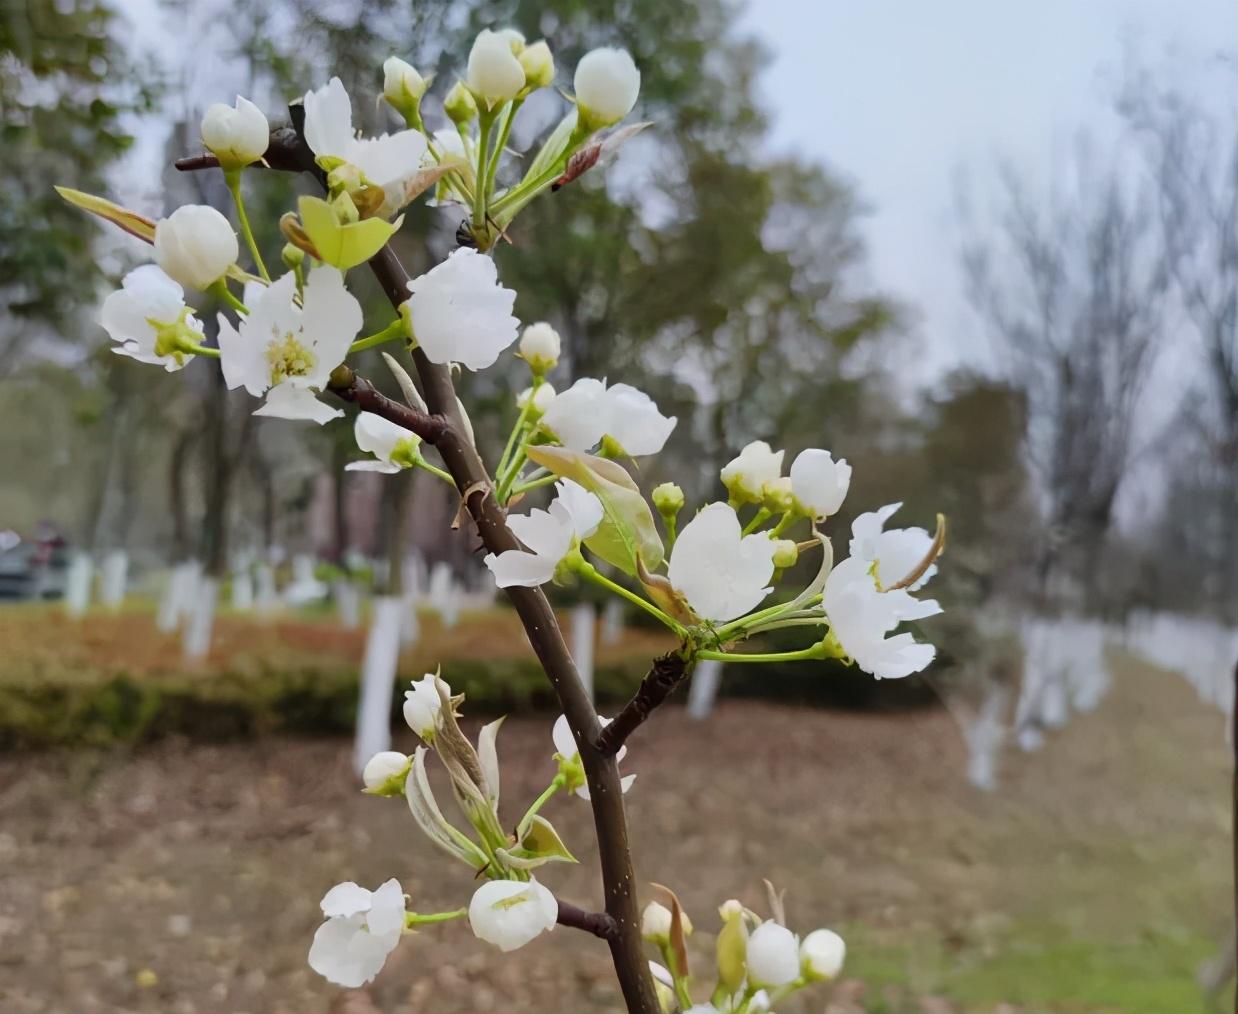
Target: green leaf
[(627, 531), (554, 148), (343, 245), (539, 845), (133, 223)]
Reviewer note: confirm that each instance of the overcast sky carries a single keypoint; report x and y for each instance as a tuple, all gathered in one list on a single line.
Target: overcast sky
[(902, 94)]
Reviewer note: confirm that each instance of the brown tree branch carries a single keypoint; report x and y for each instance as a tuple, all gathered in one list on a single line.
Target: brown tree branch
[(351, 387), (598, 923), (666, 673), (289, 150)]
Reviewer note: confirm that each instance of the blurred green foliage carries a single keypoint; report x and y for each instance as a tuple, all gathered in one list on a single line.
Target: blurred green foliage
[(66, 87)]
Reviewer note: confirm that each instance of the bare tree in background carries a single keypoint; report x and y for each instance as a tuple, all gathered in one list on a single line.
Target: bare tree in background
[(1192, 157), (1073, 289)]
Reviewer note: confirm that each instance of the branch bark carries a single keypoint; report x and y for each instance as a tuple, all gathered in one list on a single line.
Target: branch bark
[(346, 384), (288, 150), (600, 924), (664, 676)]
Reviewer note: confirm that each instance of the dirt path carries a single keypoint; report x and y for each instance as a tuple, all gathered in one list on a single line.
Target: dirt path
[(186, 879)]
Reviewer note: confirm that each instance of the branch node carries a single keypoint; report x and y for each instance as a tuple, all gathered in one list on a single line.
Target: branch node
[(666, 673)]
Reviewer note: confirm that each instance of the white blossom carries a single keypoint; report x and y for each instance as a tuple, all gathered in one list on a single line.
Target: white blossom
[(896, 552), (392, 445), (382, 767), (540, 346), (195, 245), (719, 570), (236, 135), (494, 73), (565, 746), (702, 1008), (607, 84), (819, 482), (147, 300), (423, 706), (861, 615), (773, 955), (548, 536), (822, 953), (746, 475), (510, 913), (460, 313), (287, 351), (588, 411), (362, 928), (390, 161)]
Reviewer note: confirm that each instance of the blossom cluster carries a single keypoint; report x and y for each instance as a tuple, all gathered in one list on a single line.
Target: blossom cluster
[(715, 581)]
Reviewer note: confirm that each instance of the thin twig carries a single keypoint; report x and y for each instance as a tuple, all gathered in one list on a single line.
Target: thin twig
[(351, 387), (666, 673), (598, 923)]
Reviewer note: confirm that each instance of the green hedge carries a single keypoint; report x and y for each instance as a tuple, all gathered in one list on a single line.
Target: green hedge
[(124, 709)]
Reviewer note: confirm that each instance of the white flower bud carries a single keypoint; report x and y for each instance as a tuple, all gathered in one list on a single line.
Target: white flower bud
[(607, 84), (730, 909), (820, 483), (422, 706), (702, 1008), (539, 347), (773, 955), (746, 475), (237, 136), (402, 86), (510, 913), (459, 105), (513, 38), (539, 65), (386, 770), (668, 499), (494, 73), (195, 245), (822, 954), (786, 552), (655, 923), (544, 396)]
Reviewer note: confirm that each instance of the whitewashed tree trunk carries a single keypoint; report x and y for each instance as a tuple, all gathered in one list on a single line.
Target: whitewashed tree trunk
[(449, 606), (985, 736), (200, 627), (612, 622), (176, 596), (113, 579), (77, 584), (378, 670), (242, 590), (584, 632), (706, 678), (266, 595), (347, 602)]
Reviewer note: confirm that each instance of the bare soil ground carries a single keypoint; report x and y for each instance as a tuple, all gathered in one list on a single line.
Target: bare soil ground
[(186, 878)]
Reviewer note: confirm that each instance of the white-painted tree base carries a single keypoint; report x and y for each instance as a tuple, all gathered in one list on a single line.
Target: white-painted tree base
[(266, 594), (178, 594), (347, 598), (242, 590), (706, 678), (584, 633), (77, 584), (113, 578), (612, 622), (200, 625), (378, 671)]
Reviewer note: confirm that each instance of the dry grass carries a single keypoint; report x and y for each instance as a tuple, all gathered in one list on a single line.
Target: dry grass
[(1094, 882)]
